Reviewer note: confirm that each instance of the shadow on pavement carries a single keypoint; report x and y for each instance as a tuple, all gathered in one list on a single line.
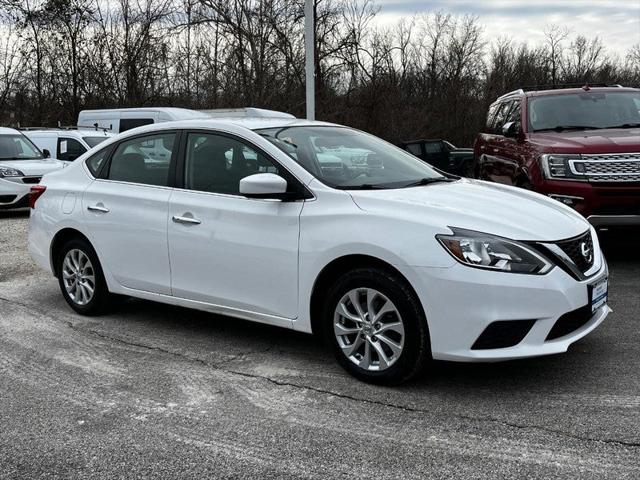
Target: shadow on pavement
[(22, 213)]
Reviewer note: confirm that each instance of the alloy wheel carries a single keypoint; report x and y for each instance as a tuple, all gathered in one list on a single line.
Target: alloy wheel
[(78, 277), (369, 329)]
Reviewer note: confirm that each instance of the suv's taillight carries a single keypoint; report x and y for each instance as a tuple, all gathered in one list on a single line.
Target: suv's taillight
[(35, 193)]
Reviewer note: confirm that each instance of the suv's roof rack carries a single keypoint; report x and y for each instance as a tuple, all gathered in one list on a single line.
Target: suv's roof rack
[(530, 88)]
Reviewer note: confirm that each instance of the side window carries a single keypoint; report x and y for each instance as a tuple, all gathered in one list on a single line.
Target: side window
[(129, 123), (134, 160), (69, 149), (491, 116), (415, 149), (95, 161), (501, 117), (514, 113), (433, 148), (216, 163)]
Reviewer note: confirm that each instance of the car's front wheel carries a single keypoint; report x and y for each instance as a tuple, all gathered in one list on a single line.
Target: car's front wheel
[(81, 279), (376, 326)]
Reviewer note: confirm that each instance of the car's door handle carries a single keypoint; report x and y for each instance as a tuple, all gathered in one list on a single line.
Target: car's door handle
[(186, 220), (98, 208)]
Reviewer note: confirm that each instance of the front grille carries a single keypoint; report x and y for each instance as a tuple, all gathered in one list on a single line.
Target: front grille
[(31, 180), (611, 167), (503, 334), (570, 322), (579, 250)]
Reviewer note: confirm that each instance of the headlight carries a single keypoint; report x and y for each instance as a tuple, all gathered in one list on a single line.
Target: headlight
[(482, 250), (10, 172), (557, 166)]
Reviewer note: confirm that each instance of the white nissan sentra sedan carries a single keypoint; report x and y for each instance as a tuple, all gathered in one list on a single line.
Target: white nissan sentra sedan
[(271, 220), (21, 166)]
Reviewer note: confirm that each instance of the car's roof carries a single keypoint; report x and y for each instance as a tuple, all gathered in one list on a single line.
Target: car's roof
[(247, 122), (8, 131)]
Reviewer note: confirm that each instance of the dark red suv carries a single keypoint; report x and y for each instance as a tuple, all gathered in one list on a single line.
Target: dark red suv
[(580, 146)]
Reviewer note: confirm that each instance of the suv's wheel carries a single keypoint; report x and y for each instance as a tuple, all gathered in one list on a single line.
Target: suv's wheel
[(81, 279), (376, 326)]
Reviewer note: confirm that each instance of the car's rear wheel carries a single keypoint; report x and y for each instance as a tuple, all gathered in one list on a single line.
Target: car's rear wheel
[(376, 326), (81, 279)]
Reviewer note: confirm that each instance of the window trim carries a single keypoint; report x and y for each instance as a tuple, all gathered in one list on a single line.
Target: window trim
[(171, 180), (303, 193)]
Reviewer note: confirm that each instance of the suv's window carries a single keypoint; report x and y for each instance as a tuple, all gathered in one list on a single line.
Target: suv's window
[(132, 162), (514, 113), (217, 163), (69, 149), (591, 110), (129, 123), (95, 162), (501, 116), (491, 116)]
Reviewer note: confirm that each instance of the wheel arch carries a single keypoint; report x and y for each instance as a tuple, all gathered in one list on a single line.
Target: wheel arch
[(339, 266), (59, 239)]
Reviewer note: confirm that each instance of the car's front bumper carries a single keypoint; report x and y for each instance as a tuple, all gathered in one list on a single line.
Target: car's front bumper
[(460, 302), (13, 193), (603, 204)]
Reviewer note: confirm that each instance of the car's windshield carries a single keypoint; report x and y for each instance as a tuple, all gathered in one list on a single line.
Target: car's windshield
[(348, 159), (18, 147), (588, 110), (93, 141)]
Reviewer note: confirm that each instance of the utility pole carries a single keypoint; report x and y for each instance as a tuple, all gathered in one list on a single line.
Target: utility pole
[(309, 70)]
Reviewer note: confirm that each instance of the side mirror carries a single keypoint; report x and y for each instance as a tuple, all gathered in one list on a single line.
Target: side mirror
[(263, 185), (46, 153), (511, 129)]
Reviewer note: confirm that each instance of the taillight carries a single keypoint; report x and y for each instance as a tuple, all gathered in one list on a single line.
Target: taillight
[(35, 193)]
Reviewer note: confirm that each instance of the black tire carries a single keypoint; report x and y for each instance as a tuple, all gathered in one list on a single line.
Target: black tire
[(417, 347), (102, 299)]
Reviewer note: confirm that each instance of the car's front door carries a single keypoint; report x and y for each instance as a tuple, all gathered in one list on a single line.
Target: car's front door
[(226, 249), (126, 214)]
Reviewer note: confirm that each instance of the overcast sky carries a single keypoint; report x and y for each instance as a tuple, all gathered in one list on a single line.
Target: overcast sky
[(617, 22)]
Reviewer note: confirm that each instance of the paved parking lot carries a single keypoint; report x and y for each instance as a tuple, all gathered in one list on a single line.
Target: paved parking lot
[(155, 391)]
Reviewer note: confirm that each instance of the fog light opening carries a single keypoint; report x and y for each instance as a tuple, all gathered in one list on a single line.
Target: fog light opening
[(567, 199)]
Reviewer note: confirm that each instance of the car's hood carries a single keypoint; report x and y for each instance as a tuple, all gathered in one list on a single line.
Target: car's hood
[(616, 140), (476, 205), (34, 167)]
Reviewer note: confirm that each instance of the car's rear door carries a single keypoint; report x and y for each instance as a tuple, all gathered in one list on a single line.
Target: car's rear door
[(226, 249), (126, 213)]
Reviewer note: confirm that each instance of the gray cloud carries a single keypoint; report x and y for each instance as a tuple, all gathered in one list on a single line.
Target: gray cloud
[(616, 22)]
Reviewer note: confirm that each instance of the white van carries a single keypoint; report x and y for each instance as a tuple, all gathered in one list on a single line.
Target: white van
[(65, 144), (118, 120)]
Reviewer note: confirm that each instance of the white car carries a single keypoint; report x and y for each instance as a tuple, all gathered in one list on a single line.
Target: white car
[(65, 144), (22, 165), (394, 265)]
